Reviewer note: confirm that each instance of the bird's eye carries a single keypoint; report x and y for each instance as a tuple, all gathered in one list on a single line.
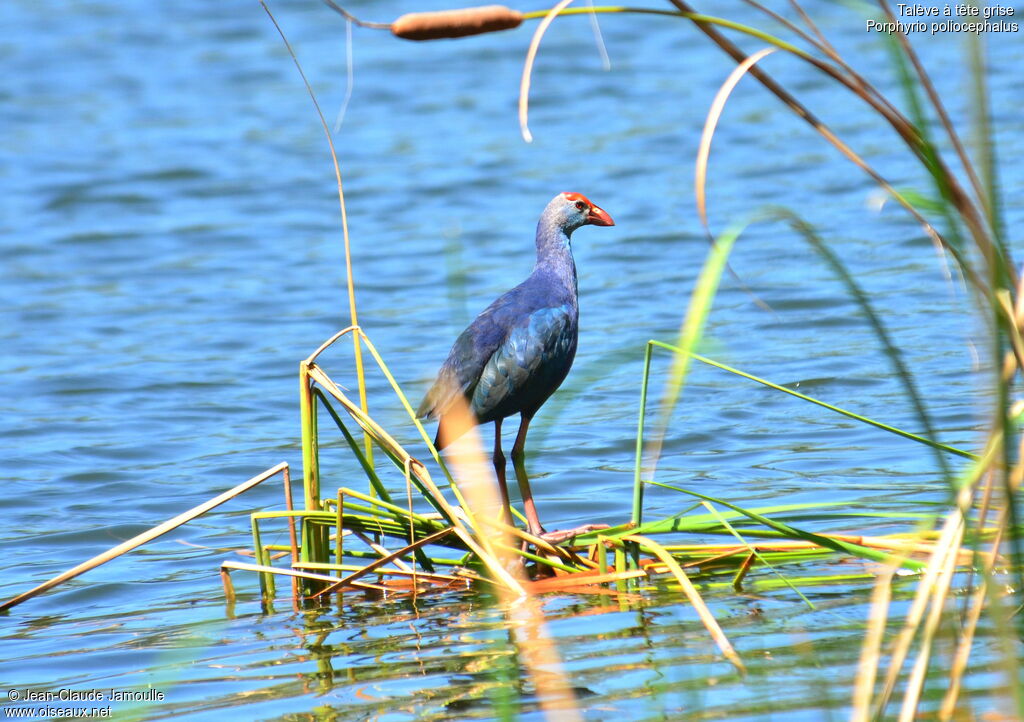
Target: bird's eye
[(580, 205)]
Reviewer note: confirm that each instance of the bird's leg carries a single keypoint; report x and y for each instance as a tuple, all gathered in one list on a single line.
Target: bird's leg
[(499, 470), (519, 463)]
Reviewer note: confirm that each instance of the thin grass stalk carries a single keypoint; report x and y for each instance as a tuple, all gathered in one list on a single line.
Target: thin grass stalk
[(813, 27), (915, 684), (870, 652), (741, 573), (389, 557), (509, 582), (412, 574), (397, 511), (416, 422), (531, 54), (925, 590), (339, 537), (963, 648), (510, 550), (982, 517), (710, 123), (820, 43), (349, 278), (383, 551), (412, 530), (361, 554), (314, 543), (422, 479), (823, 404), (330, 342), (229, 591), (538, 542)]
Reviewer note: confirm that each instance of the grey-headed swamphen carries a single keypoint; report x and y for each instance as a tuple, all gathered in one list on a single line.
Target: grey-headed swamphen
[(520, 349)]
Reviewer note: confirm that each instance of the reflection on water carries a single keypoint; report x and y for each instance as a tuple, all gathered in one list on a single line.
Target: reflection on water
[(172, 248)]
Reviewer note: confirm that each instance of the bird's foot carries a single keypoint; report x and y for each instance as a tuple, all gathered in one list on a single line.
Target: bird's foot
[(560, 535)]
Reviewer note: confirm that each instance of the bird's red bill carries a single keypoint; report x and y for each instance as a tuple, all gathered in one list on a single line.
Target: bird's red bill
[(599, 217)]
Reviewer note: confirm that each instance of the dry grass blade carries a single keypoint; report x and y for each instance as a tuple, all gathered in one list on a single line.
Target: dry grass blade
[(926, 587), (947, 566), (146, 536), (531, 55), (741, 573), (264, 569), (694, 596), (870, 653), (963, 649), (710, 123)]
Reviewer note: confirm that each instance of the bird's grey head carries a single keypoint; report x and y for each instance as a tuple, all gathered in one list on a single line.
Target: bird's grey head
[(568, 211)]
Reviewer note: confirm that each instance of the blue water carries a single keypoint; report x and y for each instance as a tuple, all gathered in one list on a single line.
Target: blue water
[(172, 248)]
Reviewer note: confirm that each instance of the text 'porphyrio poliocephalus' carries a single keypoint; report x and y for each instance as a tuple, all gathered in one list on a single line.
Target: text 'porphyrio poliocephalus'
[(519, 350)]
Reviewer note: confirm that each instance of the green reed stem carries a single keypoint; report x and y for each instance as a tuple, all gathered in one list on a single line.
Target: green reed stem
[(638, 486), (810, 399)]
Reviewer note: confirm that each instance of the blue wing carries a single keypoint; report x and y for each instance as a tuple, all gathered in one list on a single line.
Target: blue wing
[(528, 366), (510, 359)]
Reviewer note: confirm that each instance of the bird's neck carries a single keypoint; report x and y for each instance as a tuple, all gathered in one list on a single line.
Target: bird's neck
[(554, 255)]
